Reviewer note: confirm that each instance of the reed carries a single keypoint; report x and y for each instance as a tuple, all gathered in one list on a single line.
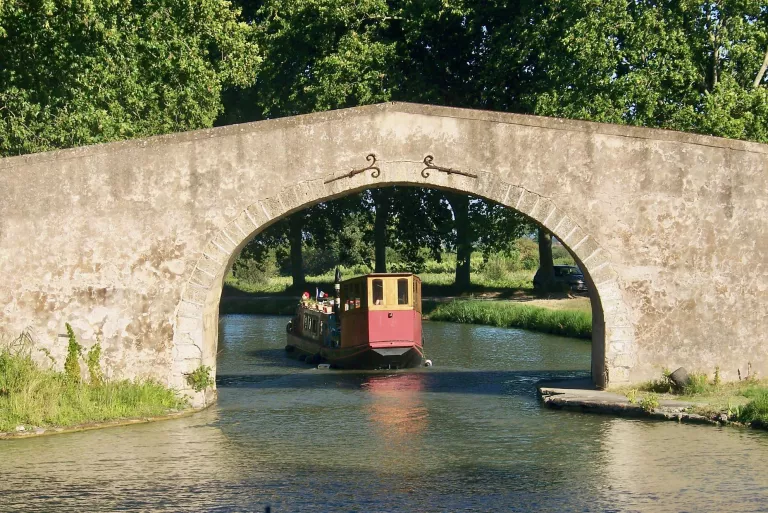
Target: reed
[(567, 323)]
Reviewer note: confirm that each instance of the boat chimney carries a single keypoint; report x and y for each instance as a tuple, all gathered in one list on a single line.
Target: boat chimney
[(337, 292)]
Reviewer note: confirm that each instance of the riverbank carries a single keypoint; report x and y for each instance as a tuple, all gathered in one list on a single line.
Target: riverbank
[(510, 314), (741, 404), (568, 317), (36, 398)]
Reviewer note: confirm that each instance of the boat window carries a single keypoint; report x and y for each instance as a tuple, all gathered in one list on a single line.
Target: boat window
[(378, 292), (306, 322), (402, 291)]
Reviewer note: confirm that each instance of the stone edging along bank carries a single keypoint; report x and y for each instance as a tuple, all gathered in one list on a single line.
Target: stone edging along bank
[(88, 426), (608, 403)]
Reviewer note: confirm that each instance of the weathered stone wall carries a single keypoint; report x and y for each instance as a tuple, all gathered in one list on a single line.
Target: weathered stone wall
[(129, 241)]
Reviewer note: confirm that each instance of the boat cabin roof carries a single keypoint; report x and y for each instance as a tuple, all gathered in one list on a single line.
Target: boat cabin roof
[(380, 275), (381, 291)]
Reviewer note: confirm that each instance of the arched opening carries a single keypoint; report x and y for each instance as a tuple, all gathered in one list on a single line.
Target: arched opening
[(199, 321)]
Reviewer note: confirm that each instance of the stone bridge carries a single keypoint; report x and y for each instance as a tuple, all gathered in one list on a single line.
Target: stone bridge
[(129, 242)]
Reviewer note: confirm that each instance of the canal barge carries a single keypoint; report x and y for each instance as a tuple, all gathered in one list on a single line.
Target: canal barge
[(373, 322)]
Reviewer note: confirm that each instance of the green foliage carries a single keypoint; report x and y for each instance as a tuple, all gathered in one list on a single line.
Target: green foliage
[(697, 384), (249, 270), (632, 396), (569, 323), (649, 402), (757, 409), (31, 395), (74, 352), (85, 72), (93, 361), (200, 378)]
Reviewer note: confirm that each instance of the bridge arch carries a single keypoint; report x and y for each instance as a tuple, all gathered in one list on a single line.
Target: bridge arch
[(196, 333), (129, 241)]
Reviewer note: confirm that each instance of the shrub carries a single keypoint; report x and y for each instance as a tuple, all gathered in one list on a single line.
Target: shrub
[(697, 384), (496, 268), (251, 271), (757, 409), (200, 378), (650, 402)]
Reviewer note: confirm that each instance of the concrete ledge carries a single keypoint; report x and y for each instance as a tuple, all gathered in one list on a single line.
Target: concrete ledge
[(576, 395)]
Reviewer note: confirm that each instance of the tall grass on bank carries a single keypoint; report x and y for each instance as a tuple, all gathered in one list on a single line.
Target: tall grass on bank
[(756, 410), (33, 395), (568, 323)]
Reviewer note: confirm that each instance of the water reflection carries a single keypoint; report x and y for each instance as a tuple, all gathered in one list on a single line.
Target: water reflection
[(397, 413), (466, 435)]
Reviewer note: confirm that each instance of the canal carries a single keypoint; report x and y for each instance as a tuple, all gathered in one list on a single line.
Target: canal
[(465, 435)]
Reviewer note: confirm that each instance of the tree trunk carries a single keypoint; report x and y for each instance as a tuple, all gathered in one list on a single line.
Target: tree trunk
[(545, 275), (297, 262), (460, 206), (761, 73), (381, 199)]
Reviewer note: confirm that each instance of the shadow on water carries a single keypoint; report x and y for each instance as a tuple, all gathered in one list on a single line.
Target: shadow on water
[(481, 382)]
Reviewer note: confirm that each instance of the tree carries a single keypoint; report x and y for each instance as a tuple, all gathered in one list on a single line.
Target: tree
[(545, 275), (382, 199), (81, 72)]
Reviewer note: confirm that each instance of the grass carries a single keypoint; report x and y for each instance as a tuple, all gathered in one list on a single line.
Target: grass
[(504, 314), (744, 401), (33, 395)]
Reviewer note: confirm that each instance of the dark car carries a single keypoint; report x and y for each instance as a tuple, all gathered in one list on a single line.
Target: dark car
[(569, 275)]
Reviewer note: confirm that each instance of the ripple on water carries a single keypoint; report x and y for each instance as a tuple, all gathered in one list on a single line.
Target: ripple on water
[(465, 435)]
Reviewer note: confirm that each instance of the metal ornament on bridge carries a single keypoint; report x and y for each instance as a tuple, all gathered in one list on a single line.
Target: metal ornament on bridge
[(428, 162), (376, 171), (374, 174)]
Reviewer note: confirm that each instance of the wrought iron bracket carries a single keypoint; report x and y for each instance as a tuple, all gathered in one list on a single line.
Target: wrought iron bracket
[(375, 171), (428, 163)]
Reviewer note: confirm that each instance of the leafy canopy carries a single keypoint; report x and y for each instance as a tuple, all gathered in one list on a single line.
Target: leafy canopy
[(76, 72)]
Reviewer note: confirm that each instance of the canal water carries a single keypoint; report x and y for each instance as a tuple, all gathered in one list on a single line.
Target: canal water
[(465, 435)]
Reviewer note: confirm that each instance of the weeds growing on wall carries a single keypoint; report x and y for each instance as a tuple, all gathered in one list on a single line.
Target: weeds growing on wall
[(38, 395), (200, 378)]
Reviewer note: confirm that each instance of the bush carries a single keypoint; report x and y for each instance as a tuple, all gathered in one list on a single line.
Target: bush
[(496, 268), (528, 251), (251, 271)]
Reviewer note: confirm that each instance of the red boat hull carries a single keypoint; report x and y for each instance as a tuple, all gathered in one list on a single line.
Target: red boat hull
[(388, 355)]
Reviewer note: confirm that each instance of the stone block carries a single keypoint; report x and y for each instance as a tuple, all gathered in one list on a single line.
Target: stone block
[(192, 310), (209, 266), (514, 195), (603, 275), (189, 325), (573, 237), (563, 227), (256, 214), (183, 352), (617, 375), (542, 210), (491, 187), (195, 294), (202, 279), (585, 248), (527, 202), (272, 208), (623, 360)]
